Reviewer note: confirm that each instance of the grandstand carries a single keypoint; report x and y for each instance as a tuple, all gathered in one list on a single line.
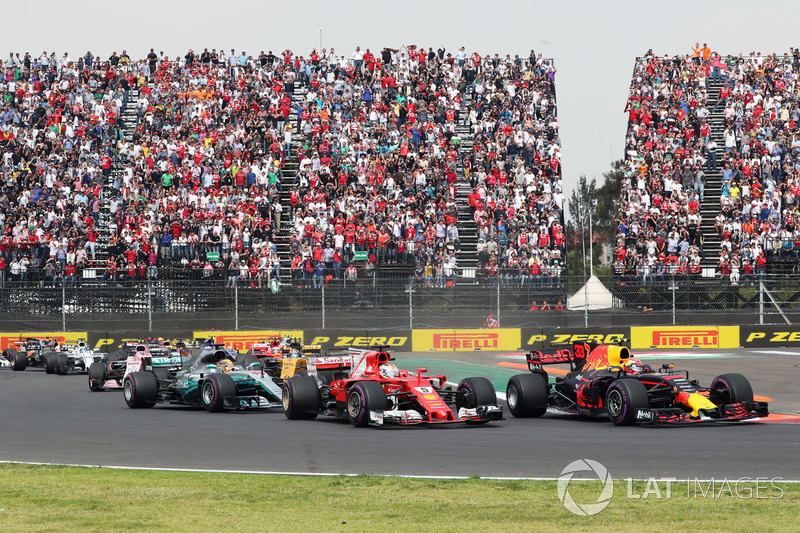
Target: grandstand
[(711, 169), (281, 166)]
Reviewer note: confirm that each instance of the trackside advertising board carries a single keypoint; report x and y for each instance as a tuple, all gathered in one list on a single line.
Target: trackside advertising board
[(769, 336), (396, 339), (8, 339), (681, 337), (241, 341), (541, 339), (463, 340)]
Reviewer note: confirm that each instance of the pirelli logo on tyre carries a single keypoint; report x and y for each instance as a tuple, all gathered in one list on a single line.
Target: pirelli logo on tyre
[(241, 341), (457, 340), (678, 337), (8, 340)]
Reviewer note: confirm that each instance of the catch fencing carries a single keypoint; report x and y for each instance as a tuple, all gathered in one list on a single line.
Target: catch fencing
[(386, 304)]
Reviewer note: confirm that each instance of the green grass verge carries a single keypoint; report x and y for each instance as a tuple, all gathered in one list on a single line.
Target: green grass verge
[(50, 498)]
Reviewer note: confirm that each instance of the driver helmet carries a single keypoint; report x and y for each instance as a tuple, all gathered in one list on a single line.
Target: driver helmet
[(295, 353), (388, 370), (225, 366), (635, 366)]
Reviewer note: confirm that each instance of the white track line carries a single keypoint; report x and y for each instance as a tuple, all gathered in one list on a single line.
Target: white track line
[(332, 474)]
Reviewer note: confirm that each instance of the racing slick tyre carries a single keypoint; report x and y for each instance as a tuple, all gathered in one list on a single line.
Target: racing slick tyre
[(526, 395), (62, 363), (50, 362), (623, 398), (140, 389), (97, 376), (732, 388), (216, 388), (472, 392), (301, 398), (363, 397), (19, 361)]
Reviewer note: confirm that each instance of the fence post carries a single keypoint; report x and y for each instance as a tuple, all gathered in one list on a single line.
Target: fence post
[(498, 301), (236, 303), (673, 288), (323, 305), (410, 307), (149, 305), (63, 306), (761, 302)]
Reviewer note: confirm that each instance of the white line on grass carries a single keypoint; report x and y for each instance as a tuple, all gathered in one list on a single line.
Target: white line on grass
[(332, 474)]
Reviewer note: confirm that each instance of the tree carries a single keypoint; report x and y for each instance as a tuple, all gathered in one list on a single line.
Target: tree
[(603, 204)]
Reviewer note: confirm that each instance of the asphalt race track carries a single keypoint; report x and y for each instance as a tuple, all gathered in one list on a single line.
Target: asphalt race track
[(56, 419)]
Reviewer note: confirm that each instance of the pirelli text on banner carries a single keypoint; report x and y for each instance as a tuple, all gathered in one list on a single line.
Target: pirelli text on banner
[(685, 337), (457, 340)]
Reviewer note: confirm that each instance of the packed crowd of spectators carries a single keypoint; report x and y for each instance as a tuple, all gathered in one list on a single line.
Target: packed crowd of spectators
[(669, 150), (517, 199), (668, 145), (197, 184), (59, 122), (758, 218)]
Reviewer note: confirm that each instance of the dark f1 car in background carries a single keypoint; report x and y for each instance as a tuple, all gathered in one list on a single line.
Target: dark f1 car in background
[(606, 380), (33, 352), (365, 388)]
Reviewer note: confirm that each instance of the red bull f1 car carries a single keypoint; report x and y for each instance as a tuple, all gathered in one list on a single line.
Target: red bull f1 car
[(366, 389), (605, 380)]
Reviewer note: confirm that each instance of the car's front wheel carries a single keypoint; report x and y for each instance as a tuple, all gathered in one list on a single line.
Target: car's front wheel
[(215, 389), (363, 397), (732, 388), (62, 364), (97, 376), (624, 397), (140, 389)]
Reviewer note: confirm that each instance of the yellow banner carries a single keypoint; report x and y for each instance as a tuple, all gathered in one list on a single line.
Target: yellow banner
[(463, 340), (241, 341), (677, 337), (8, 340)]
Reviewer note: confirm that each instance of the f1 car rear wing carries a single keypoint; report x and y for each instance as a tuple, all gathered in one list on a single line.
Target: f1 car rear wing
[(575, 356)]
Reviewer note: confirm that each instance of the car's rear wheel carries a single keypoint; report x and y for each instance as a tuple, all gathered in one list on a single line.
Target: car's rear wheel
[(19, 361), (301, 398), (215, 389), (50, 362), (140, 389), (363, 397), (732, 388), (97, 376), (62, 364), (526, 395), (624, 397)]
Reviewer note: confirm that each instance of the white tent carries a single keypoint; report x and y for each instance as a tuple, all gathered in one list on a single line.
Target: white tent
[(598, 297)]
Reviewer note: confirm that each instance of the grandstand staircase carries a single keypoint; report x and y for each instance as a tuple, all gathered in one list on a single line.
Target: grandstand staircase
[(290, 169), (129, 120), (467, 258), (709, 208)]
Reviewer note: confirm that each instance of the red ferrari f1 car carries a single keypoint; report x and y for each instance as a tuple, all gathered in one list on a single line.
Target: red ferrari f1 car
[(606, 380), (365, 388)]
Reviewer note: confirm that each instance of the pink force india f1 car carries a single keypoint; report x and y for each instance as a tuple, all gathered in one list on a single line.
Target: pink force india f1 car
[(605, 380), (367, 389)]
